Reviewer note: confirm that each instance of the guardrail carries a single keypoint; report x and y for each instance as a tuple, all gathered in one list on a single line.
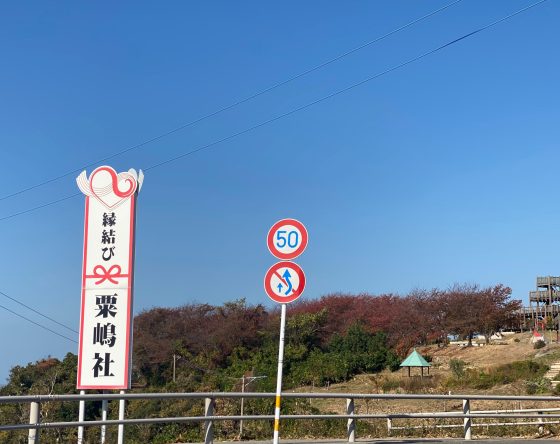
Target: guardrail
[(35, 425)]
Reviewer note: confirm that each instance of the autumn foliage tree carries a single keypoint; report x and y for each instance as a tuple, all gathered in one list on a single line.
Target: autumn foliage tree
[(214, 345), (329, 339)]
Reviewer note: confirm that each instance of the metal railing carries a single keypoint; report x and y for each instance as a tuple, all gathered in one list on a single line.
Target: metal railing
[(351, 416)]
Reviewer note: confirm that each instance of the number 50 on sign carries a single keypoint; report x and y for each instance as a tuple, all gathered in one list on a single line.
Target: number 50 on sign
[(287, 239)]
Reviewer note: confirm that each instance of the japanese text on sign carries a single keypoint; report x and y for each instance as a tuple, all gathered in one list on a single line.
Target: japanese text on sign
[(106, 314)]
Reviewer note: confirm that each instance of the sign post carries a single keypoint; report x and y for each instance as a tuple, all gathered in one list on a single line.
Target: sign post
[(279, 375), (105, 343), (284, 282)]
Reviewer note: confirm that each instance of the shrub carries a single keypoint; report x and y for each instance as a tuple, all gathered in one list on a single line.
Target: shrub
[(393, 362), (517, 340), (538, 344), (457, 367), (529, 371), (538, 387), (390, 384)]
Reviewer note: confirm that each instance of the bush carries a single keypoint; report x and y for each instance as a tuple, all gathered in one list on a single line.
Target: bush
[(361, 350), (457, 367), (538, 387), (539, 344), (517, 340), (529, 371), (393, 362), (390, 384)]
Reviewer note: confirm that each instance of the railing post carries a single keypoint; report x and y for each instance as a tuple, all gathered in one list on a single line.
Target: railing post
[(541, 427), (466, 420), (208, 426), (351, 421), (389, 425), (34, 419)]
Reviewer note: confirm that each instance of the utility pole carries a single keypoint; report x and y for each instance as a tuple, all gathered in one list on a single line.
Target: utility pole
[(242, 399), (243, 385), (175, 358)]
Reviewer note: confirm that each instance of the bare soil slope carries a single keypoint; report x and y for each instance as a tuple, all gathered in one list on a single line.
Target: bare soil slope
[(513, 348)]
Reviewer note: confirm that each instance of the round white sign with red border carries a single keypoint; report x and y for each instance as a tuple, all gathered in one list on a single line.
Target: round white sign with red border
[(284, 282), (287, 239)]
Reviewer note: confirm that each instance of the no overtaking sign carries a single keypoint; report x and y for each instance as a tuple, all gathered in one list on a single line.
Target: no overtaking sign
[(284, 282)]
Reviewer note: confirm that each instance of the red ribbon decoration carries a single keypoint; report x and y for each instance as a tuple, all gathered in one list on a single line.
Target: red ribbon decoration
[(100, 272)]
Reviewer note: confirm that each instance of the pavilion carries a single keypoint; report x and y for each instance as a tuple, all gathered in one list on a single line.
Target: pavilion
[(415, 359)]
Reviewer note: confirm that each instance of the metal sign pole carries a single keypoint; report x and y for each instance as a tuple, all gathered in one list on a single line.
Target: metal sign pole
[(104, 408), (279, 374), (81, 415), (122, 404)]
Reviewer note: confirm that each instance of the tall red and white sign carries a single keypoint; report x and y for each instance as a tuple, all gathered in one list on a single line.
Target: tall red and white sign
[(284, 282), (105, 347)]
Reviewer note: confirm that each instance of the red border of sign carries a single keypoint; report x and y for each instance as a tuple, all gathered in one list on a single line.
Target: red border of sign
[(126, 382), (296, 294), (295, 253)]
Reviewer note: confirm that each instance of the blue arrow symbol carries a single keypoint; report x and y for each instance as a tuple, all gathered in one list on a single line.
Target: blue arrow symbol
[(279, 288), (287, 277)]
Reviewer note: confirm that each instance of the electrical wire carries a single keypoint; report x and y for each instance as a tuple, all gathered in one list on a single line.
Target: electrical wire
[(38, 325), (281, 116), (346, 89), (38, 312), (48, 204), (308, 105), (233, 105)]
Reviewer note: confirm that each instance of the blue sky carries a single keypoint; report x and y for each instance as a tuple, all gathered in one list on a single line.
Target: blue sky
[(437, 173)]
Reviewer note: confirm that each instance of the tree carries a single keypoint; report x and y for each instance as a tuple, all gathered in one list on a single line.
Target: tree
[(472, 309), (495, 309)]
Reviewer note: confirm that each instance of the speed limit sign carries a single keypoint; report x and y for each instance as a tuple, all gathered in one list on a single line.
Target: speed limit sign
[(287, 239), (284, 282)]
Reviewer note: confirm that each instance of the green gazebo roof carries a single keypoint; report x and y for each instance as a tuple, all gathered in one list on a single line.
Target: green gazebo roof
[(415, 359)]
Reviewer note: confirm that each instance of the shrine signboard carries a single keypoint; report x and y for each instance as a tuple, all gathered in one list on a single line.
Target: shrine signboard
[(105, 346)]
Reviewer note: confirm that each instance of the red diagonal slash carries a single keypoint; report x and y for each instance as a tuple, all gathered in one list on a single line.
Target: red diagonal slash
[(281, 279), (294, 290)]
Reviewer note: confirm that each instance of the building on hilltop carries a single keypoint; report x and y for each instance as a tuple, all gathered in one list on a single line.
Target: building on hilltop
[(544, 303)]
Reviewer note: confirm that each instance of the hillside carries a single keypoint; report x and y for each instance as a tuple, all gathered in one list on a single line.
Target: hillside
[(512, 348), (354, 341), (517, 347), (479, 360)]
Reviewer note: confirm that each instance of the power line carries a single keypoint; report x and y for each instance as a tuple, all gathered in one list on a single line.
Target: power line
[(38, 325), (343, 90), (38, 312), (308, 105), (29, 210), (233, 105)]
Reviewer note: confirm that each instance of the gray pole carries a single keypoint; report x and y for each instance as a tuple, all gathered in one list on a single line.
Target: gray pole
[(241, 420), (351, 421), (466, 421), (122, 404), (81, 416), (34, 419), (173, 367), (104, 407), (208, 426)]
